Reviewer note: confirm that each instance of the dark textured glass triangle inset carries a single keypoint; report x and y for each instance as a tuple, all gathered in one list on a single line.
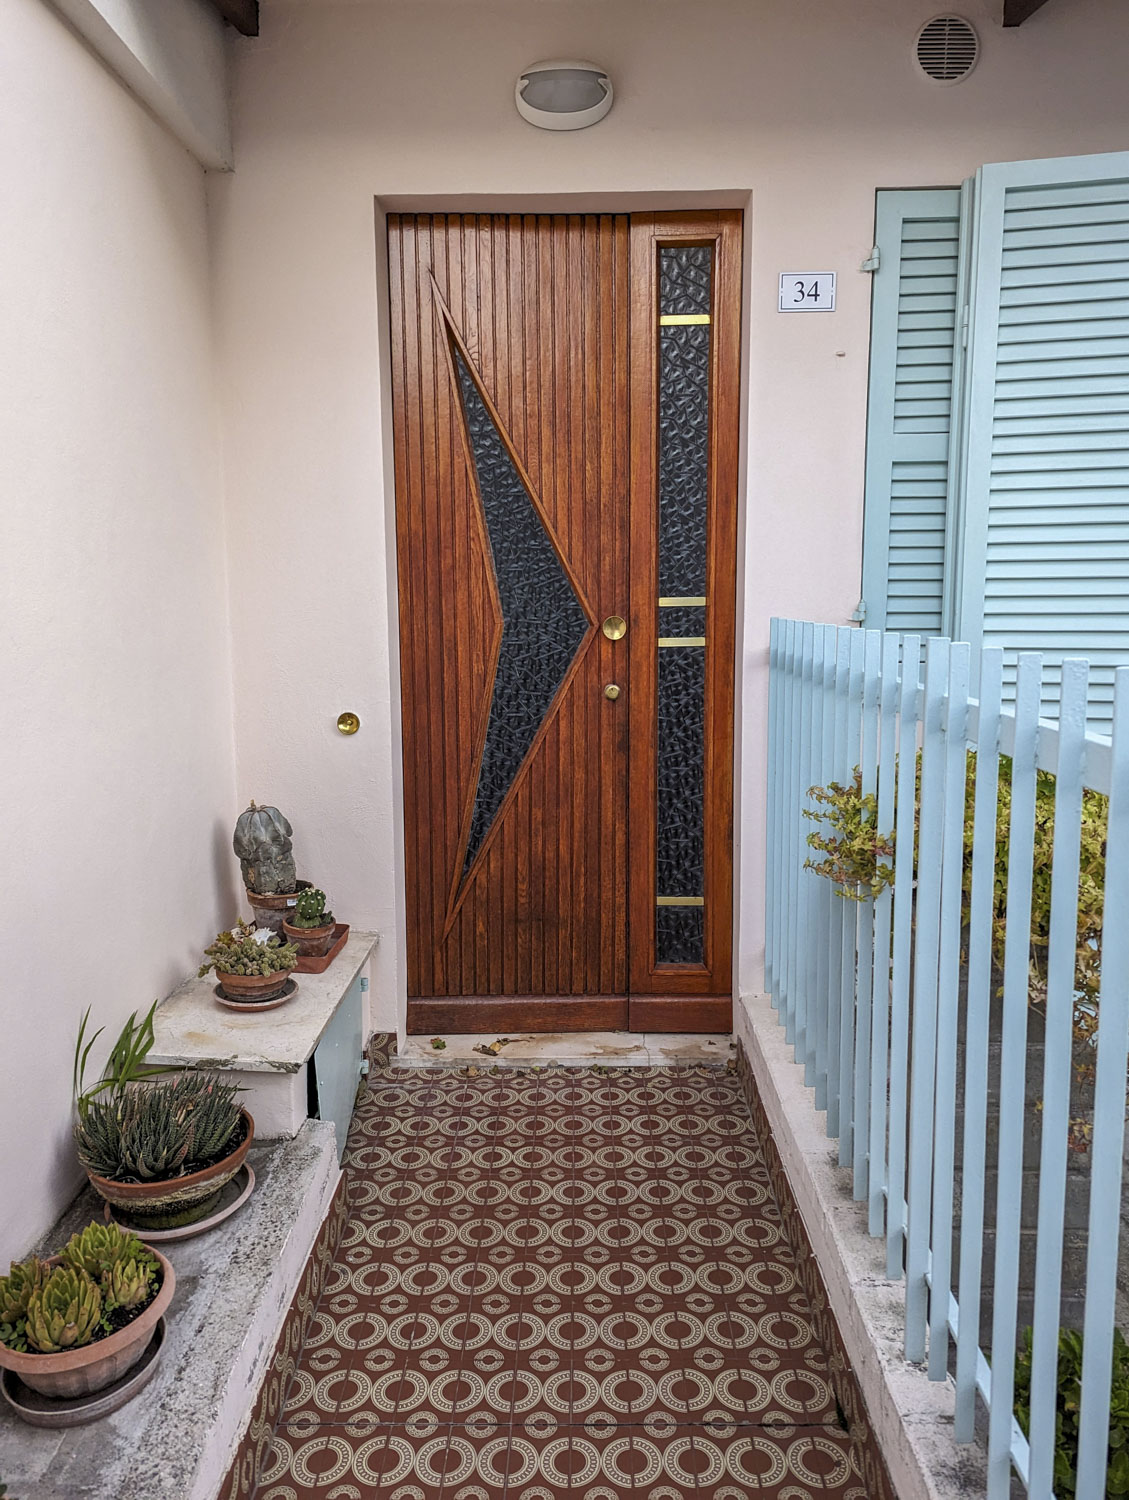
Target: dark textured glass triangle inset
[(542, 619)]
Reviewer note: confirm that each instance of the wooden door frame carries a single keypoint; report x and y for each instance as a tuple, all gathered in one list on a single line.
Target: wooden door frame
[(629, 201)]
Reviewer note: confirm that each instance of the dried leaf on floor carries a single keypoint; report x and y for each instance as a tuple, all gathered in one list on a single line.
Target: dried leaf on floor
[(438, 1043), (491, 1049)]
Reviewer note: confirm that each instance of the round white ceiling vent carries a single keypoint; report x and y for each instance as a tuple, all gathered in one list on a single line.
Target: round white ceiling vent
[(947, 49)]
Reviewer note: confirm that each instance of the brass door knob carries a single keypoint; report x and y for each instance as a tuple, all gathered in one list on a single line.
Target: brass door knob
[(614, 627), (348, 723), (612, 691)]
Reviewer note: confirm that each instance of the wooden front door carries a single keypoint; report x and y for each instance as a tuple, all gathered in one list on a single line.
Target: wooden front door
[(565, 402)]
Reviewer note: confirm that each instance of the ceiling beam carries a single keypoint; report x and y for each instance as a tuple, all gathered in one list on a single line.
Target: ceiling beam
[(1018, 11), (244, 15)]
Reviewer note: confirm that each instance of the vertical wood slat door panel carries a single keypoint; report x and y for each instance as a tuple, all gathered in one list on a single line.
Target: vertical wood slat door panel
[(536, 310)]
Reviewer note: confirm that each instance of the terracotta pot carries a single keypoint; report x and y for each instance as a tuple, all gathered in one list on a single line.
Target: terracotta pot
[(269, 908), (174, 1201), (313, 942), (81, 1372), (254, 986)]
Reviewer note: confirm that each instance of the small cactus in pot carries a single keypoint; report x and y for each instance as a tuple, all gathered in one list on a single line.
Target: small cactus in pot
[(310, 927)]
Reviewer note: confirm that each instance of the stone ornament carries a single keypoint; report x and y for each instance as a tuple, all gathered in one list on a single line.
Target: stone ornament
[(263, 846)]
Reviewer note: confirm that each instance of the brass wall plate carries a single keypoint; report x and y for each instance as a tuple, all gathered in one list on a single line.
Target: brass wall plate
[(614, 627), (348, 723)]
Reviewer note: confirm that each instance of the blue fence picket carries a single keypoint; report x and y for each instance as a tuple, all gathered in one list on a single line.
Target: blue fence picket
[(772, 908), (923, 1046), (849, 951), (841, 965), (883, 921), (1057, 1068), (902, 951), (1013, 1069), (824, 730), (977, 1012), (1109, 1119), (864, 985), (948, 988)]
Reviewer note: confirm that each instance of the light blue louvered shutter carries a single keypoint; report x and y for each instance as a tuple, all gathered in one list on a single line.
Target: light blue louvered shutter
[(1045, 556), (914, 337)]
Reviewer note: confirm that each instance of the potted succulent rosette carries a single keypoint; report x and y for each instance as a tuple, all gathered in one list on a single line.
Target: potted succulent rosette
[(311, 927), (78, 1322), (253, 964), (160, 1153)]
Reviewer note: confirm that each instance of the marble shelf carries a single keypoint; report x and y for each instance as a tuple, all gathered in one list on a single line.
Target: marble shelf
[(305, 1055)]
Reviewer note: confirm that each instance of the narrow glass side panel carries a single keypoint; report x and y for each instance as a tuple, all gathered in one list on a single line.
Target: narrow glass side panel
[(543, 623), (685, 280)]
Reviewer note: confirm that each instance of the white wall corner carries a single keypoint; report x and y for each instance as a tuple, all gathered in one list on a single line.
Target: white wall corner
[(910, 1415), (172, 55)]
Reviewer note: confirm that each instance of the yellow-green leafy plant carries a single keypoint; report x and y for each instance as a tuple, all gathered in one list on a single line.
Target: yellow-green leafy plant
[(857, 859), (124, 1269), (129, 1283), (249, 950), (24, 1278), (65, 1312), (104, 1277)]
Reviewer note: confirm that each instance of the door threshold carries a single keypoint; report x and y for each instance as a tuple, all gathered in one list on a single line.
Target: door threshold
[(575, 1049)]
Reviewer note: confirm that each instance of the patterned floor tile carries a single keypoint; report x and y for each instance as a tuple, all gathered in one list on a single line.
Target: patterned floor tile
[(573, 1282), (531, 1461)]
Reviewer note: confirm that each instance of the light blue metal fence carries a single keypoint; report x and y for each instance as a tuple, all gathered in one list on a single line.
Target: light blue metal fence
[(872, 995)]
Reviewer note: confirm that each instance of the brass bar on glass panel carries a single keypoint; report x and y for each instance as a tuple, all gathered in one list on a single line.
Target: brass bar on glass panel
[(674, 601), (673, 320), (682, 640), (680, 901)]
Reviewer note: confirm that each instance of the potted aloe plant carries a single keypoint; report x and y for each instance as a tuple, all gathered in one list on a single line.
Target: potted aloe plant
[(253, 963), (311, 928), (74, 1324), (159, 1152)]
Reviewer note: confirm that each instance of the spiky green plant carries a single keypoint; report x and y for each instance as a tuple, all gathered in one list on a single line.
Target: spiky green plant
[(65, 1312), (101, 1247), (212, 1108), (153, 1132), (126, 1062), (24, 1278), (248, 950), (309, 909)]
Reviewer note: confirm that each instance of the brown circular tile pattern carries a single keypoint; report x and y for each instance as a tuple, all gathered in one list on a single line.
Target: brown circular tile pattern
[(559, 1284)]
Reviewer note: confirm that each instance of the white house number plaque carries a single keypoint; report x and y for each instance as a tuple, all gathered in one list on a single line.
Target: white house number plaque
[(807, 291)]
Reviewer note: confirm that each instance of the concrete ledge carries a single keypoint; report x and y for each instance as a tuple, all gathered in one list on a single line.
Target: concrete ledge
[(910, 1415), (176, 1439)]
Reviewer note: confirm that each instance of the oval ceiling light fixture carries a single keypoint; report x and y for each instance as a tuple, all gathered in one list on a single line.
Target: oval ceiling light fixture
[(563, 95)]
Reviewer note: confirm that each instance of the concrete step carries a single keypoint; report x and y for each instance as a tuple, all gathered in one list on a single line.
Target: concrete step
[(234, 1285)]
